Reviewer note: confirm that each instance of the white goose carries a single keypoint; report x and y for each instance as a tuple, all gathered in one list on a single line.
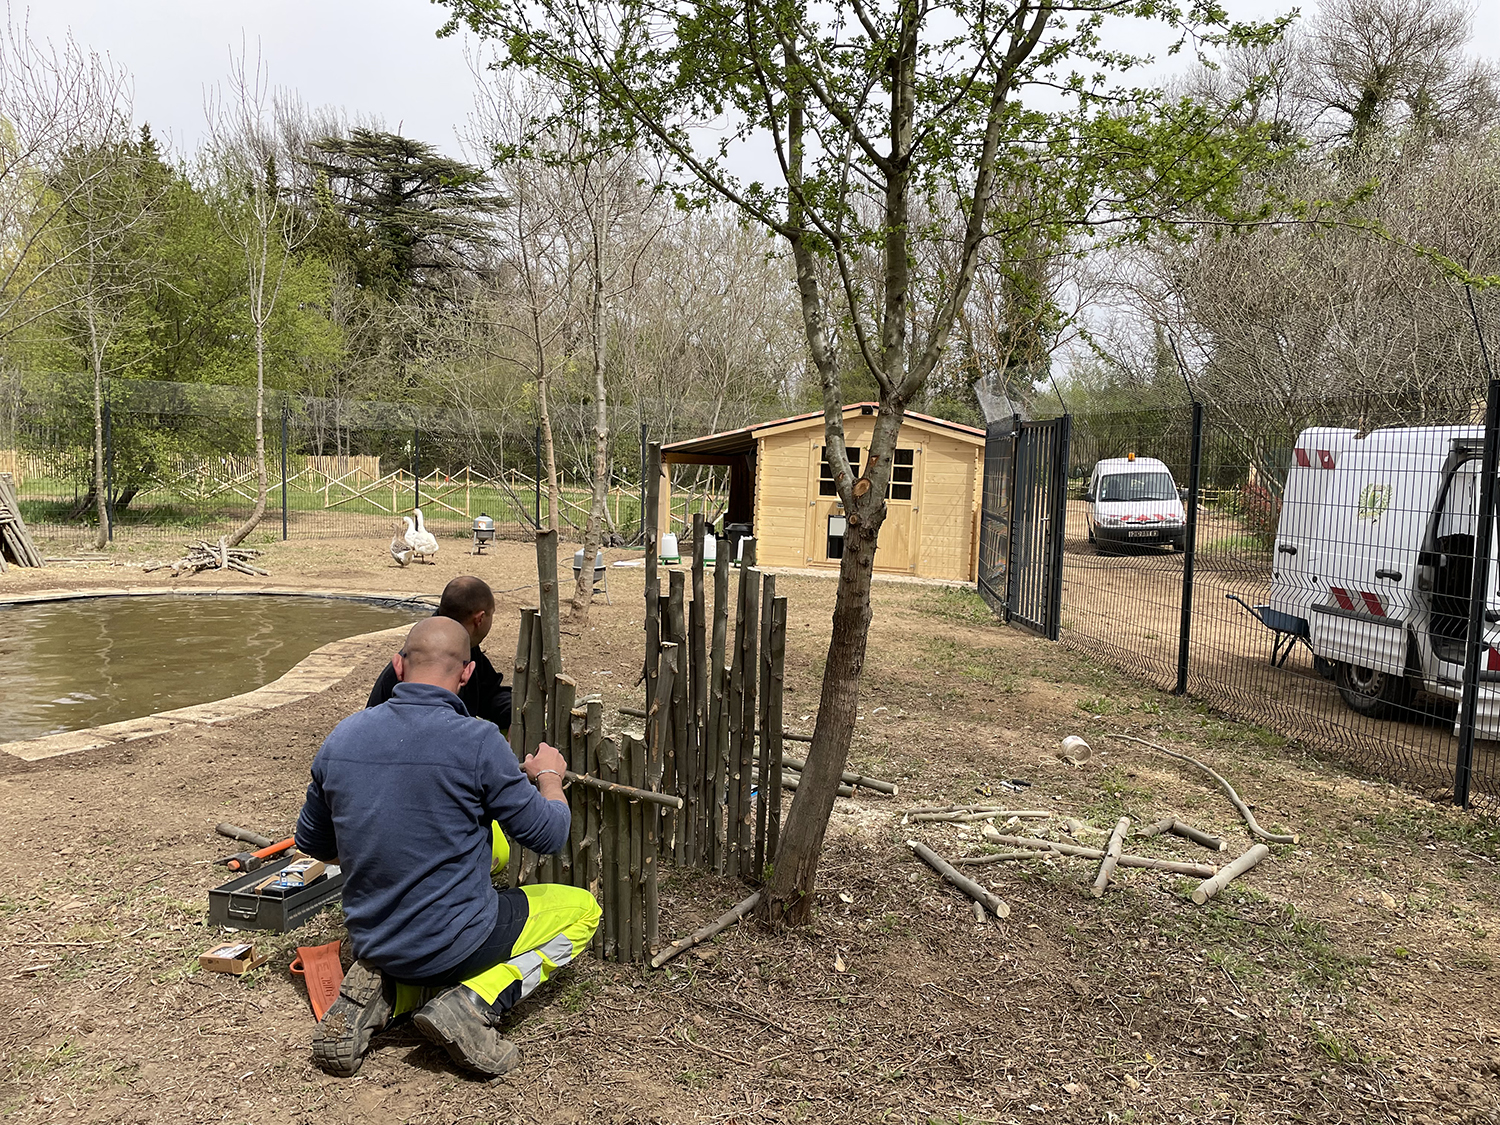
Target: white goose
[(422, 541), (400, 549)]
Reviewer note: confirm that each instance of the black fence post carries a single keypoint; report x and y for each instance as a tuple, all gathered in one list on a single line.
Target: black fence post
[(1057, 528), (1474, 650), (283, 466), (1190, 549), (109, 474), (1012, 572), (416, 467), (537, 448)]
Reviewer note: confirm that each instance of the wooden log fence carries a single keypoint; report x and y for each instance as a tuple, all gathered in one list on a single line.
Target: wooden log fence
[(686, 790)]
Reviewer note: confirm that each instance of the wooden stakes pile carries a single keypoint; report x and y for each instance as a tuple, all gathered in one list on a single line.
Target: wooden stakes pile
[(15, 541)]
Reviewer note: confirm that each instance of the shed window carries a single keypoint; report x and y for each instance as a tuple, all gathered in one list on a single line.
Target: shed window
[(826, 487), (901, 474)]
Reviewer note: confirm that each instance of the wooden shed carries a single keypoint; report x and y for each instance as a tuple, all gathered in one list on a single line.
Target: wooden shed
[(780, 485)]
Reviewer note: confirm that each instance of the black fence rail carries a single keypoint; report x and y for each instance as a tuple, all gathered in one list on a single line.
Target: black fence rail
[(1312, 570)]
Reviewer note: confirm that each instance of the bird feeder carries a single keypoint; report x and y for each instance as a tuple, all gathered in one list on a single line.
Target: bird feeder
[(483, 531)]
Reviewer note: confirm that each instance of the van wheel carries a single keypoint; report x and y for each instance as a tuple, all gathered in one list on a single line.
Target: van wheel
[(1370, 692)]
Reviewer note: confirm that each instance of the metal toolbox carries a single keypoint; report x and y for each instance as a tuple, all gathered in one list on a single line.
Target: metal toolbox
[(237, 906)]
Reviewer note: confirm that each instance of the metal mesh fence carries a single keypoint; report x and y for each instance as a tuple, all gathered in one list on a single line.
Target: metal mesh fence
[(179, 461), (1327, 577)]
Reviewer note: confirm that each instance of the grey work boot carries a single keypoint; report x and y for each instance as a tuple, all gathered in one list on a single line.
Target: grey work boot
[(458, 1022), (363, 1008)]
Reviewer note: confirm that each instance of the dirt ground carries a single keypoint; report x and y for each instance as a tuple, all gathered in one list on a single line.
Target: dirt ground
[(1349, 978)]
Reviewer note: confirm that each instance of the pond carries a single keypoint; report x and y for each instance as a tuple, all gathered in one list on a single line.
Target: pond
[(68, 665)]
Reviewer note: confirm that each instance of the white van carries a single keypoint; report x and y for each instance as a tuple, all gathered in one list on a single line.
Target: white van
[(1135, 500), (1374, 561)]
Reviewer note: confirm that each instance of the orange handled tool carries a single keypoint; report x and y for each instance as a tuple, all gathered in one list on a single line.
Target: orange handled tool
[(322, 971), (249, 861)]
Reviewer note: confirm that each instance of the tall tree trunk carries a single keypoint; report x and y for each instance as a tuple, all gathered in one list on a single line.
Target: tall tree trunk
[(259, 512), (544, 417), (583, 592), (101, 496)]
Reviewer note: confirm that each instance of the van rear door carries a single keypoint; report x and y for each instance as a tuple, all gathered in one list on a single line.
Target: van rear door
[(1300, 535), (1375, 514)]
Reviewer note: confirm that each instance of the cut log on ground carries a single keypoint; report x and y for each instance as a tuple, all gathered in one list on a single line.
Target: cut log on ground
[(792, 780), (859, 781), (1111, 856), (1234, 798), (1210, 887), (718, 925), (992, 901), (1197, 836), (984, 814), (1156, 829), (1201, 870)]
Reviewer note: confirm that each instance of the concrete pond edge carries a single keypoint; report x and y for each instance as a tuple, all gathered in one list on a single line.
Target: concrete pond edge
[(316, 672)]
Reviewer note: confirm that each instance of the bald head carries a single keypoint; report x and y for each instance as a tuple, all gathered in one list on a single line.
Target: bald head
[(436, 652)]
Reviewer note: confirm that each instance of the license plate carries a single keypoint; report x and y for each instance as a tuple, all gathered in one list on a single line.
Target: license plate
[(1140, 534)]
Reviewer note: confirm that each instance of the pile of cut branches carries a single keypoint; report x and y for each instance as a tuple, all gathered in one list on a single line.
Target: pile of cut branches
[(203, 555)]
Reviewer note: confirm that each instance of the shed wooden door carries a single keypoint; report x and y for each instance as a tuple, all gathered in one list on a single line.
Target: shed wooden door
[(901, 534), (825, 512)]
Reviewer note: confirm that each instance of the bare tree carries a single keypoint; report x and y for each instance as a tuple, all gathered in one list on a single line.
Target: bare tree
[(101, 254), (53, 101), (258, 216)]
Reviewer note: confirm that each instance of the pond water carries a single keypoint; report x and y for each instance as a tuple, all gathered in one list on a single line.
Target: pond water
[(68, 665)]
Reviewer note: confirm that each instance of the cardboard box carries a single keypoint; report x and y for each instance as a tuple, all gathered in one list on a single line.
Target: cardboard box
[(237, 957)]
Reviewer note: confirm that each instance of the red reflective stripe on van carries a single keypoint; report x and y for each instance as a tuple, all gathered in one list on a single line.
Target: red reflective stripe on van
[(1303, 461), (1372, 603), (1325, 458), (1341, 596)]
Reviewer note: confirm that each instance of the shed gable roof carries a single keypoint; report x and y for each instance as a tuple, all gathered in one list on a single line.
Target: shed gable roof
[(733, 442)]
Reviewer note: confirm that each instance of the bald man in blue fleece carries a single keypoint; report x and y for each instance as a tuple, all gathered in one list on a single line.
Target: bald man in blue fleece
[(415, 800)]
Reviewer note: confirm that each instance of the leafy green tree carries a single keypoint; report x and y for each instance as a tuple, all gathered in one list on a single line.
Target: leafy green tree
[(895, 130)]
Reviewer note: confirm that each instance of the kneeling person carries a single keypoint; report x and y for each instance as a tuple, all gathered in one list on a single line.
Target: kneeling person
[(414, 799)]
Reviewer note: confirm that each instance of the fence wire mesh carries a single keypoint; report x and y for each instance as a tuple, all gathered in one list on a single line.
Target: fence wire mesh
[(179, 460), (1331, 570)]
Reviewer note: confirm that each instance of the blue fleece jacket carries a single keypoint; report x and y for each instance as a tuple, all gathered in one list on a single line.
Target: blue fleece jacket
[(403, 794)]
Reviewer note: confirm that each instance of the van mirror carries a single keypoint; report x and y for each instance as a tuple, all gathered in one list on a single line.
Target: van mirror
[(1182, 494), (1089, 496)]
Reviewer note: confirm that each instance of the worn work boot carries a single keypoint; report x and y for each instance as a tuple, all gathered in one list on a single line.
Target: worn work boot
[(458, 1021), (363, 1008)]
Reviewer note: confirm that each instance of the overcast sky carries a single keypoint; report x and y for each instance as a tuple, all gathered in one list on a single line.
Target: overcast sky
[(371, 58)]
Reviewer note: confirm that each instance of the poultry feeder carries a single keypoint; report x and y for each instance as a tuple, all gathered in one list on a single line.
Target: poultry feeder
[(483, 530)]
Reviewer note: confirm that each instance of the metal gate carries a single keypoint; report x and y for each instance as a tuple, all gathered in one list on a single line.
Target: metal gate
[(1021, 521)]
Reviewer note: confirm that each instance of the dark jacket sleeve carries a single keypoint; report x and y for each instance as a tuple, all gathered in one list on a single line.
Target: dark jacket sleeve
[(315, 833), (527, 817), (485, 695), (383, 687)]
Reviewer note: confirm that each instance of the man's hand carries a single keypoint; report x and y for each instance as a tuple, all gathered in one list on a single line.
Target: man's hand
[(545, 768)]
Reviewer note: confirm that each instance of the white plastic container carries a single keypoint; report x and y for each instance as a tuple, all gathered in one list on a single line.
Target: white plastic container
[(669, 553), (710, 548)]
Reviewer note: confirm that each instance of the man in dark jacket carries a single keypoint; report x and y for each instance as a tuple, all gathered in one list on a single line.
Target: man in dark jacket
[(468, 601), (410, 798)]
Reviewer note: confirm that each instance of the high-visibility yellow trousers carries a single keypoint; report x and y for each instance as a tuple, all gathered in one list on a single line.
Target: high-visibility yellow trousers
[(559, 925)]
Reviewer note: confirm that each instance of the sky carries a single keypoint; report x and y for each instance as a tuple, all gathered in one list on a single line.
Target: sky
[(370, 58)]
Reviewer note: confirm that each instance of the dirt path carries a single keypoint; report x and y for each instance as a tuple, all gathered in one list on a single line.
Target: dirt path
[(1351, 978)]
